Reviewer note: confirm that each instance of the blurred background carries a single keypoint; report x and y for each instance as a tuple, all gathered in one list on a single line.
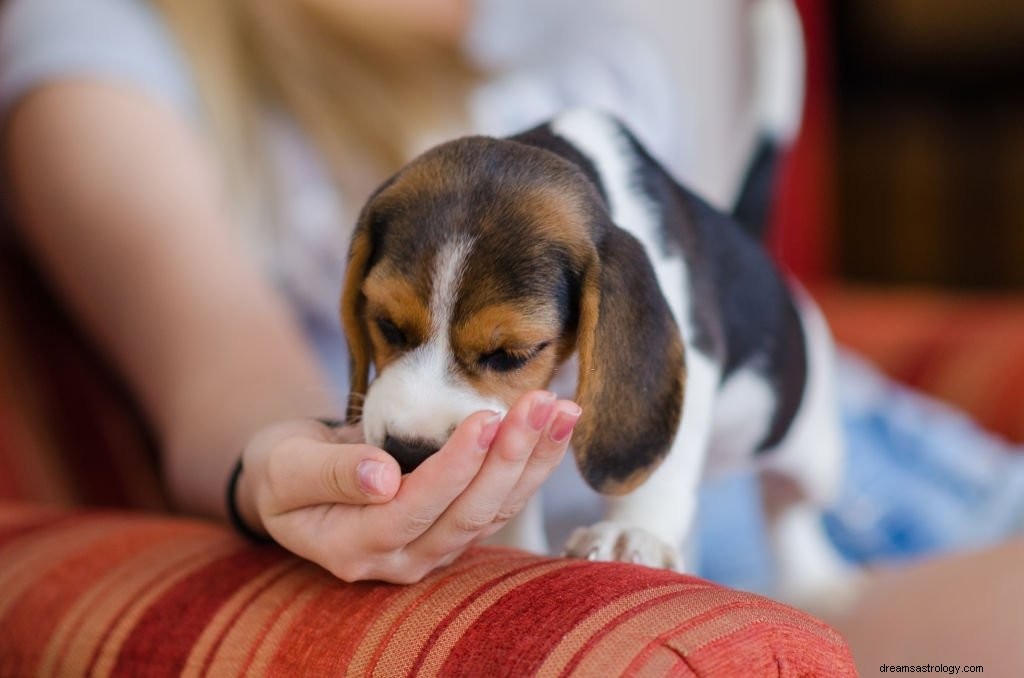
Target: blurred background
[(912, 153), (930, 141)]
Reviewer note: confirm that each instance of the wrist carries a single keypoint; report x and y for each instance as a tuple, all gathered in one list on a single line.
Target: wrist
[(241, 506)]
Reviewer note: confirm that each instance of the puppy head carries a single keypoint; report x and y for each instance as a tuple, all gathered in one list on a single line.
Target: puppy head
[(473, 274), (462, 288)]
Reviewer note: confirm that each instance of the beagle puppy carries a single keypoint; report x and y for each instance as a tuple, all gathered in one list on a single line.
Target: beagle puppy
[(566, 257)]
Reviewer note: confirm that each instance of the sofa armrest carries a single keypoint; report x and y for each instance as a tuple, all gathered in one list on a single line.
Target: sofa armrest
[(965, 349), (96, 593)]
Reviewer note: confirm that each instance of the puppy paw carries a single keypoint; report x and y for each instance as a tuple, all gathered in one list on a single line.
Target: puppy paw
[(609, 541)]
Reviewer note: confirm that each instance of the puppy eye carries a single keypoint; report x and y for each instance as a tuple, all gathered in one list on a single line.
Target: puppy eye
[(503, 360), (394, 336)]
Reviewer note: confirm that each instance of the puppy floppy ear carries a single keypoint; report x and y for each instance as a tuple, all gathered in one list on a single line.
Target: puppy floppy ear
[(631, 366), (353, 317)]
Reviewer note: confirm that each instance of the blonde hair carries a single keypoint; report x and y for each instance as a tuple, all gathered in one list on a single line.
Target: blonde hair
[(363, 93)]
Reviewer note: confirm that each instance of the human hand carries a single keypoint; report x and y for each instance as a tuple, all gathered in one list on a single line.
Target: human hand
[(345, 506)]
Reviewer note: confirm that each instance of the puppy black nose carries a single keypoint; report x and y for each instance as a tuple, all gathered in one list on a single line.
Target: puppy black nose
[(408, 453)]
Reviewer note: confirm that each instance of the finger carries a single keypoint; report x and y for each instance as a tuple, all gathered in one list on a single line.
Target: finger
[(428, 491), (301, 472), (478, 507), (546, 456)]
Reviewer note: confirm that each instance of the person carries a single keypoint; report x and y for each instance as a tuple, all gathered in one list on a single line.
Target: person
[(187, 174)]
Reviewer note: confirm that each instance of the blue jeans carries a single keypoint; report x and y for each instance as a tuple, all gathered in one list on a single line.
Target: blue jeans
[(921, 478)]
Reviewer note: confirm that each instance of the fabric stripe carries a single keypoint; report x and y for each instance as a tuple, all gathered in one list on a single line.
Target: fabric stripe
[(742, 609), (278, 620), (210, 641), (44, 576), (533, 618), (591, 626), (325, 634), (664, 663), (768, 620), (446, 634), (30, 606), (615, 650), (726, 611), (147, 588), (137, 571), (370, 612), (33, 553), (638, 623), (251, 631), (771, 647), (172, 623), (471, 570)]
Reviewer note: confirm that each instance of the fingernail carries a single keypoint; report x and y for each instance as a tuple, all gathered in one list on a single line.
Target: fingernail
[(563, 425), (371, 476), (489, 430), (540, 411)]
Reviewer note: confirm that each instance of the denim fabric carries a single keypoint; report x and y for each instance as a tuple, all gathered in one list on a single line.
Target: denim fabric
[(921, 478)]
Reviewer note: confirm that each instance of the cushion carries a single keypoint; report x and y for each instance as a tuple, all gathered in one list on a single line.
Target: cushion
[(93, 592)]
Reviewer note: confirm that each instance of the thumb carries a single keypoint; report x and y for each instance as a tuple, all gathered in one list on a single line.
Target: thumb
[(377, 475), (316, 473)]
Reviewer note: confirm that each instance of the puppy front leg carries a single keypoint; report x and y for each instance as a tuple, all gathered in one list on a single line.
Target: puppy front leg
[(651, 525)]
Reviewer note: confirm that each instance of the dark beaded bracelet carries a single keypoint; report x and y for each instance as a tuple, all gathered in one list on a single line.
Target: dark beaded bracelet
[(235, 516)]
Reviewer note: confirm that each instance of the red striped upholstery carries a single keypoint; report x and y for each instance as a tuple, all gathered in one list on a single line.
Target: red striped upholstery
[(120, 594)]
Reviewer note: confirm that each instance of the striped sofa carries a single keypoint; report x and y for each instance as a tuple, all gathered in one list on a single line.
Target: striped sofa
[(89, 592)]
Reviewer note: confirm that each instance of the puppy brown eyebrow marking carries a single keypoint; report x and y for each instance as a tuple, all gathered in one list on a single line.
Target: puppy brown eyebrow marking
[(513, 327), (391, 296)]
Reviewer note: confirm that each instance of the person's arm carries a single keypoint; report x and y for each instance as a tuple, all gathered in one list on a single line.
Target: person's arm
[(123, 206), (957, 608), (121, 203)]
